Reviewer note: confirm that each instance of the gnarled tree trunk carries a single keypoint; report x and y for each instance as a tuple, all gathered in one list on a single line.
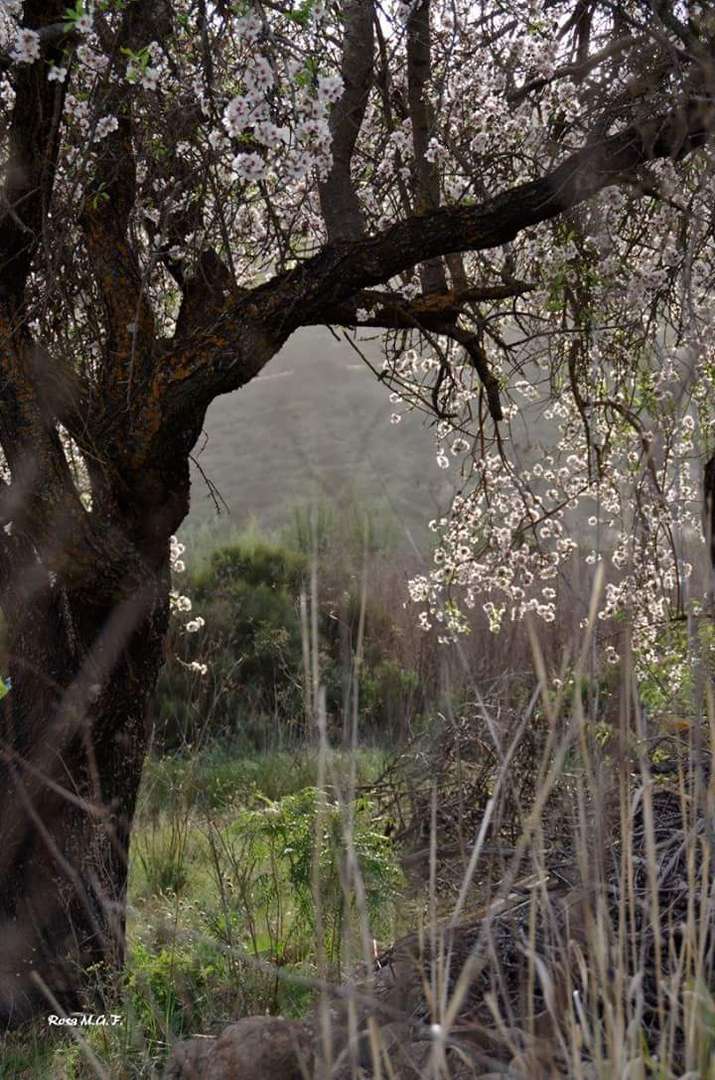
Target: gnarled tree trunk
[(74, 736)]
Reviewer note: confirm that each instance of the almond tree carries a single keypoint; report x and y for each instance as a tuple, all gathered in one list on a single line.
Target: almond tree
[(186, 184)]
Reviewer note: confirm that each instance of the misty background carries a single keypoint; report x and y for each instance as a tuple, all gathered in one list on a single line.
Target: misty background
[(314, 428)]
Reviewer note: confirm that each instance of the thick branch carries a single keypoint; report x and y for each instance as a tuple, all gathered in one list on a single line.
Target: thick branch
[(297, 297), (419, 73), (478, 358), (338, 201), (437, 312), (203, 294), (253, 326), (33, 146), (109, 200), (391, 311)]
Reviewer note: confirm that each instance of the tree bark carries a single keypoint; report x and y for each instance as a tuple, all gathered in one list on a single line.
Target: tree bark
[(74, 736), (709, 509)]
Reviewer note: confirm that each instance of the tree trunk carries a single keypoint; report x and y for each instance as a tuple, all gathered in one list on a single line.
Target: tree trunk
[(74, 734), (709, 509)]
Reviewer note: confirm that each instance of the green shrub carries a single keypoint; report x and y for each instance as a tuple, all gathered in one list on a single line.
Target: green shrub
[(287, 860), (249, 595), (169, 989), (387, 693), (252, 642), (255, 562)]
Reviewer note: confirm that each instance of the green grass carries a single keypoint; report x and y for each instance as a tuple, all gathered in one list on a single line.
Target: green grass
[(221, 912), (222, 920), (219, 777)]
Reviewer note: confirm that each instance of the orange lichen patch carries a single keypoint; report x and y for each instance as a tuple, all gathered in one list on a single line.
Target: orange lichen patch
[(678, 723)]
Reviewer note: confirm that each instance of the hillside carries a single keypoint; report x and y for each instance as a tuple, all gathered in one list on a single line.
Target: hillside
[(315, 426)]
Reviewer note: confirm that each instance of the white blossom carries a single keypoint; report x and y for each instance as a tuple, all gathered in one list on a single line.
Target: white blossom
[(27, 47), (249, 166), (106, 125)]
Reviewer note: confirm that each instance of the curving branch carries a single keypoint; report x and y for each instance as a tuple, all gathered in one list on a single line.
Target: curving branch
[(478, 358), (577, 71), (301, 296), (252, 326), (392, 311)]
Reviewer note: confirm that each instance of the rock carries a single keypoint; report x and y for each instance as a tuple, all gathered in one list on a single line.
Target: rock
[(187, 1058), (255, 1048)]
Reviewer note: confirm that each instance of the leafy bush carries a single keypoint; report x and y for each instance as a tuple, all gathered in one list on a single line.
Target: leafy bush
[(252, 641), (249, 595), (288, 860), (170, 989), (387, 693)]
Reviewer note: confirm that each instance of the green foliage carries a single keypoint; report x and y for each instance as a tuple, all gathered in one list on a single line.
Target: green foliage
[(248, 592), (139, 62), (26, 1056), (218, 778), (72, 15), (301, 15), (386, 692), (242, 922), (161, 851), (169, 989), (248, 597), (255, 563), (668, 686), (288, 859)]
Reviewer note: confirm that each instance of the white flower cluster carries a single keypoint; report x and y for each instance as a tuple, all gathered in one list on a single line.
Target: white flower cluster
[(7, 93), (176, 550), (105, 125), (249, 166), (85, 23), (182, 605), (287, 150), (27, 47), (630, 505), (92, 60)]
